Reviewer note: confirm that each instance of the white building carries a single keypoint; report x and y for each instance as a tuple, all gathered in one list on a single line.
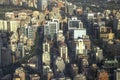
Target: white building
[(90, 16), (80, 47), (99, 54), (63, 52), (79, 33)]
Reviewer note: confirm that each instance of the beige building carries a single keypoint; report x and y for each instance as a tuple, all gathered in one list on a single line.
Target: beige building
[(29, 42), (3, 25), (46, 58), (111, 36), (20, 72), (9, 15), (22, 15), (60, 36), (13, 25)]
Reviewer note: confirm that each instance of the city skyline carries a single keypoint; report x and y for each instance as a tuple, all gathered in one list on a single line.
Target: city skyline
[(59, 40)]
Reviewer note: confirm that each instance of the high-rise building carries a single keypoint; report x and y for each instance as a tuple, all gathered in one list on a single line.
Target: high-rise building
[(13, 47), (103, 75), (23, 30), (117, 74), (60, 64), (79, 33), (55, 13), (101, 23), (58, 22), (51, 29), (46, 47), (49, 74), (90, 16), (28, 31), (85, 62), (13, 25), (35, 3), (60, 36), (70, 8), (21, 48), (46, 58), (20, 72), (29, 42), (80, 47), (99, 54), (118, 25), (74, 69), (87, 42), (74, 23), (111, 35), (3, 25), (42, 4), (46, 69), (63, 51), (103, 32), (46, 28)]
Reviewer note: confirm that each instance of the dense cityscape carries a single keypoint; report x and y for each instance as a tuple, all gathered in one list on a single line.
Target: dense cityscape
[(59, 39)]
